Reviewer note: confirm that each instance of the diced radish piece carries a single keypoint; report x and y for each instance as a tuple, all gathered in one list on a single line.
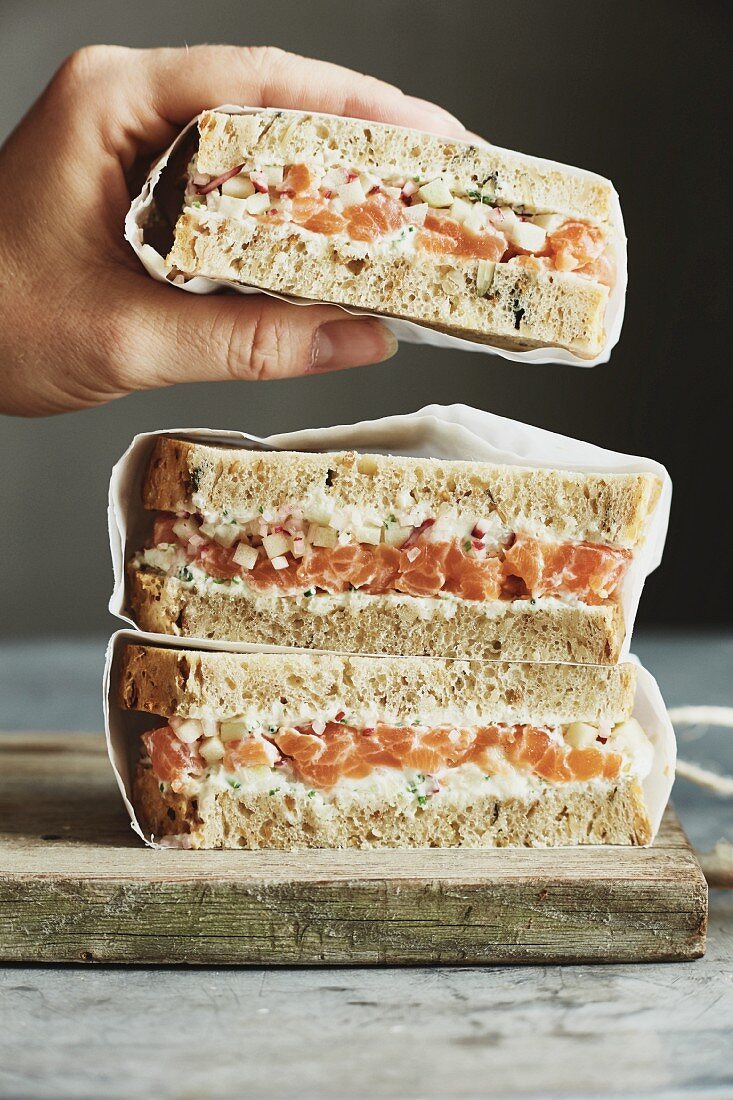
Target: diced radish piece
[(212, 750), (368, 181), (259, 181), (480, 528), (460, 210), (324, 536), (418, 531), (350, 174), (410, 188), (210, 726), (549, 222), (280, 563), (352, 193), (526, 235), (339, 715), (196, 541), (234, 729), (318, 726), (416, 214), (394, 535), (275, 546), (436, 193), (391, 192), (370, 535), (208, 529), (186, 529), (412, 553), (187, 730), (298, 546), (238, 187), (274, 175), (257, 204), (476, 220), (226, 534), (484, 277), (217, 182), (233, 208), (245, 555)]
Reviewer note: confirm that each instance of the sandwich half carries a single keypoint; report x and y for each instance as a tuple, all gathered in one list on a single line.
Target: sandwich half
[(366, 553), (468, 239), (304, 750)]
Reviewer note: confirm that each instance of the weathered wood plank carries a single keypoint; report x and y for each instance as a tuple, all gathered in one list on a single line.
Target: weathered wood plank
[(75, 884)]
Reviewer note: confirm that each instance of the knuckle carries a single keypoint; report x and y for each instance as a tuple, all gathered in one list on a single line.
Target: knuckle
[(264, 57), (86, 63), (259, 349)]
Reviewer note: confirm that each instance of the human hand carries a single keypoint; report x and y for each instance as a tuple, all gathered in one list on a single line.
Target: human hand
[(80, 321)]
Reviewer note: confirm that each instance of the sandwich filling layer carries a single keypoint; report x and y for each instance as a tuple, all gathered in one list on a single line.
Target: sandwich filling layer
[(374, 217), (458, 558), (342, 757)]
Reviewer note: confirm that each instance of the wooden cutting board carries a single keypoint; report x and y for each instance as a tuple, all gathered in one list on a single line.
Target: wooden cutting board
[(76, 885)]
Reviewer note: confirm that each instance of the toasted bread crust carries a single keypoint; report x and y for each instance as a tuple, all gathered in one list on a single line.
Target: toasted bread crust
[(596, 507), (196, 683), (599, 813), (586, 635)]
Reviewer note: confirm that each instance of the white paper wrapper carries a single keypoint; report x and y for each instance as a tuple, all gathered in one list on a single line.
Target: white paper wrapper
[(123, 728), (453, 431), (403, 330)]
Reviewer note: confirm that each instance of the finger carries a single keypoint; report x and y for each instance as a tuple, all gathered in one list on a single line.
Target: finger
[(179, 84), (172, 337)]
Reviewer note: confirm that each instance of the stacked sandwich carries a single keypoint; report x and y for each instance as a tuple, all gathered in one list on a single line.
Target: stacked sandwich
[(472, 618)]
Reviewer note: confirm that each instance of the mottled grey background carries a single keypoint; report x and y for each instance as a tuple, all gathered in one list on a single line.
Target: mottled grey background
[(635, 91)]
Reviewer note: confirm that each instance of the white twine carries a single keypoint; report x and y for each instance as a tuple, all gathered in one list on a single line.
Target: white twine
[(703, 716), (717, 865)]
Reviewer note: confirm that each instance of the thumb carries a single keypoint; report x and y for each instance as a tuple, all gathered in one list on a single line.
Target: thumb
[(179, 337)]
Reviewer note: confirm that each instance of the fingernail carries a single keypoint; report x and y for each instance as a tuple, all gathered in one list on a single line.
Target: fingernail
[(341, 344), (439, 112)]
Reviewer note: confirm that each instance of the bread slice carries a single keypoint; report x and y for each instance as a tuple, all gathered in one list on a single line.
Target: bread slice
[(515, 631), (183, 475), (274, 137), (524, 306), (196, 683), (553, 506), (245, 809), (612, 813)]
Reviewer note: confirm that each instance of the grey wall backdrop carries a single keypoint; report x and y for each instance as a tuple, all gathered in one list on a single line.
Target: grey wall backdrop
[(635, 91)]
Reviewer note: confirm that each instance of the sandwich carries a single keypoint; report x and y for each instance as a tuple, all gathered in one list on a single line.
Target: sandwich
[(303, 750), (370, 553), (472, 240)]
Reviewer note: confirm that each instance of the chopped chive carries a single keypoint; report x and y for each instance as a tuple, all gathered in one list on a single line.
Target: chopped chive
[(311, 794), (234, 784), (308, 592), (274, 790), (422, 799)]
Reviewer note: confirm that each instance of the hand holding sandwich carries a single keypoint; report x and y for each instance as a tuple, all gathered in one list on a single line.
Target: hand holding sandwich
[(80, 321)]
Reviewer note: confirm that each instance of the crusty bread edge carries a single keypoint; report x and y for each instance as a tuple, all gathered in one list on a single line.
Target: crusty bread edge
[(179, 469), (194, 683), (583, 635), (227, 139), (613, 813)]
